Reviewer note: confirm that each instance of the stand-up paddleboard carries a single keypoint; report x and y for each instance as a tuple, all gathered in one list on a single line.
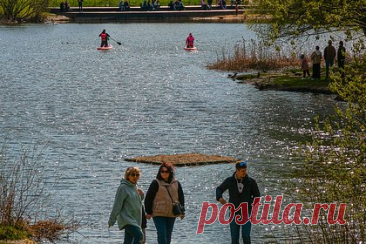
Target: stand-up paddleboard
[(190, 48), (105, 48)]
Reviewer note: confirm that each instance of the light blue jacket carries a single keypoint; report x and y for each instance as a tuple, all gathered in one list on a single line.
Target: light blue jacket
[(127, 207)]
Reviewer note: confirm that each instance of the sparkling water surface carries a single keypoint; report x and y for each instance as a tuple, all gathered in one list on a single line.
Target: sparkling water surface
[(145, 97)]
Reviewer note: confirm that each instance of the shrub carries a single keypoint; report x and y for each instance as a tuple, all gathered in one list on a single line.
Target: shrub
[(22, 194)]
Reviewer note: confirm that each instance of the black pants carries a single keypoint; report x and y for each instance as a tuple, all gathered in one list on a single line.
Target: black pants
[(104, 43), (80, 7), (316, 71)]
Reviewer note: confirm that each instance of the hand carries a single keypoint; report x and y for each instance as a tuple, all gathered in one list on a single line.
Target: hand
[(148, 216), (222, 201), (140, 192), (182, 217)]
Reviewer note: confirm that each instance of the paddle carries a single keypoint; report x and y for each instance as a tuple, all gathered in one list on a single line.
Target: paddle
[(116, 41)]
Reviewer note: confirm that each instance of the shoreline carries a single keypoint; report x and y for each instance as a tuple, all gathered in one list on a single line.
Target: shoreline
[(288, 83)]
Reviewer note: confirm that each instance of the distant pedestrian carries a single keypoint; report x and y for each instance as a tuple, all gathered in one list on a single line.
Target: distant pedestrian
[(316, 58), (204, 5), (329, 56), (209, 3), (304, 65), (62, 7), (67, 6), (341, 58), (80, 2), (121, 5)]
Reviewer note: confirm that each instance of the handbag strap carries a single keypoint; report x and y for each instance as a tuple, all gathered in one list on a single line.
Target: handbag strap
[(169, 194)]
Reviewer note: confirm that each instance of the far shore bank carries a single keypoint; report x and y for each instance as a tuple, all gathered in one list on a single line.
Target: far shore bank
[(283, 82), (136, 14)]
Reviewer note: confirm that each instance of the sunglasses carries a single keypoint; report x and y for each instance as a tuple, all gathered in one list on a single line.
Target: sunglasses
[(135, 175), (164, 171)]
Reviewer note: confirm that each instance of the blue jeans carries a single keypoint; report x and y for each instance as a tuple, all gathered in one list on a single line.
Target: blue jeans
[(133, 235), (164, 226), (235, 231)]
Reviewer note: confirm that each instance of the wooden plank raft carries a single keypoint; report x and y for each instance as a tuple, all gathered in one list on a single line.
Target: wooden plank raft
[(188, 159)]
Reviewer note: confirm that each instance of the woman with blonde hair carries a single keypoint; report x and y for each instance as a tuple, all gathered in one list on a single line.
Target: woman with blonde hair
[(163, 192), (127, 207)]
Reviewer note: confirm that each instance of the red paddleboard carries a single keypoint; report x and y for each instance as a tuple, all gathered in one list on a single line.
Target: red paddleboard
[(105, 48), (190, 48)]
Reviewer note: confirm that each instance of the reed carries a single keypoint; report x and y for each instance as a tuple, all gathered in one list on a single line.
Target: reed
[(253, 56), (23, 195)]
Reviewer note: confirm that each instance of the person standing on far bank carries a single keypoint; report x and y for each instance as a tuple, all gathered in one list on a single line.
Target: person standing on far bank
[(329, 57), (80, 2), (316, 58), (341, 58), (127, 207), (242, 189)]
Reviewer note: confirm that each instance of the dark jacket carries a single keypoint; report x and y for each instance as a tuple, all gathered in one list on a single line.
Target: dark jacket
[(341, 53), (329, 53), (250, 191)]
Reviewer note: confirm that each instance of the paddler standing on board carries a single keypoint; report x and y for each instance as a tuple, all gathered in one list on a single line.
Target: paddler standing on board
[(189, 41), (104, 36)]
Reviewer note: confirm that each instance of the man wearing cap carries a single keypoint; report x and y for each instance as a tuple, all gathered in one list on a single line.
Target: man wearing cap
[(242, 189)]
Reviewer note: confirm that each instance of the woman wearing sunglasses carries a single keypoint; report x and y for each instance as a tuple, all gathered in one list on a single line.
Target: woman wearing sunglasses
[(127, 207), (162, 193)]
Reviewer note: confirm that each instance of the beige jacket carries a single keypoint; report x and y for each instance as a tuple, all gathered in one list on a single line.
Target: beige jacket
[(316, 57), (163, 205)]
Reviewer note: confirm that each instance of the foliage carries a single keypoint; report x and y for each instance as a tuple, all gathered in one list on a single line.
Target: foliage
[(298, 17), (12, 233), (335, 166), (21, 186), (22, 10), (22, 195)]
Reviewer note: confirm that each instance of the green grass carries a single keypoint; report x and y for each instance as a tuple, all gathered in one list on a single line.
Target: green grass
[(292, 81), (12, 233)]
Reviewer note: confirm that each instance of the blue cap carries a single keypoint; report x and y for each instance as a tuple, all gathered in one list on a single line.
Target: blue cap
[(242, 164)]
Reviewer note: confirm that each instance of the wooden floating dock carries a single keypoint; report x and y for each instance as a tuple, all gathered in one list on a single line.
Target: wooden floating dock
[(188, 159)]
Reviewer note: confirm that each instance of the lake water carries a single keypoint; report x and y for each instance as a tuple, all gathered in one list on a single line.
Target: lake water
[(145, 97)]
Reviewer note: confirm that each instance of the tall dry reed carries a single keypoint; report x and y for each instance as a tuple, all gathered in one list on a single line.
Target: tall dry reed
[(253, 56)]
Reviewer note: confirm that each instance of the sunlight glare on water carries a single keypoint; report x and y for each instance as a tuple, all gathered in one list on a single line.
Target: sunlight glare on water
[(145, 97)]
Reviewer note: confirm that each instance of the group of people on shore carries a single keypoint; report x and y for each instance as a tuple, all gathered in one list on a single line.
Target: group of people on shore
[(65, 7), (164, 192), (330, 55), (124, 5), (150, 5)]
